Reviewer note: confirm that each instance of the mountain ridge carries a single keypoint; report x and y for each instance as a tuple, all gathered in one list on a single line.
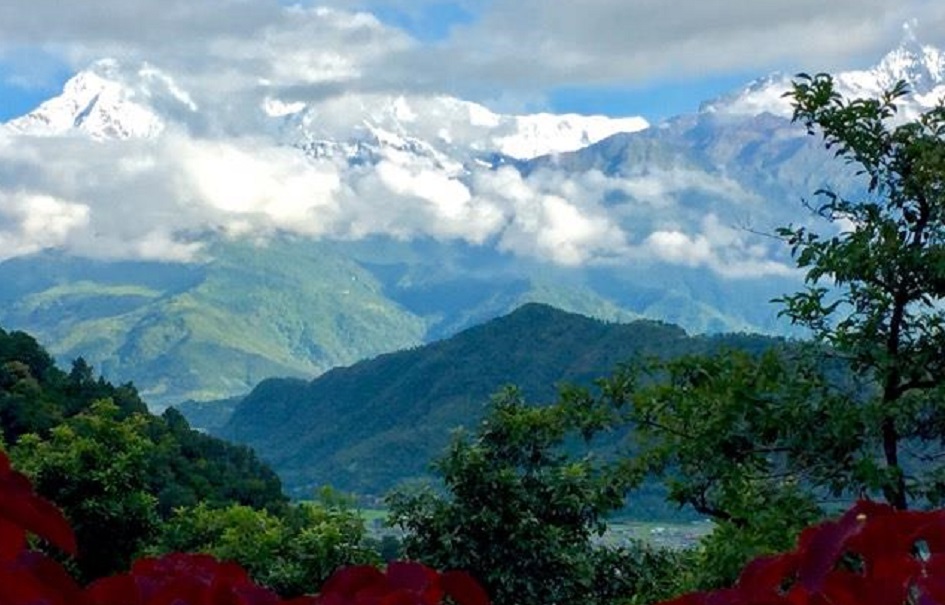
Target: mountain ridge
[(369, 426)]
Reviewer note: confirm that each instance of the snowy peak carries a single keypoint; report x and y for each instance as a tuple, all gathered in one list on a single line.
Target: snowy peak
[(543, 134), (922, 67), (440, 127), (106, 101), (110, 100)]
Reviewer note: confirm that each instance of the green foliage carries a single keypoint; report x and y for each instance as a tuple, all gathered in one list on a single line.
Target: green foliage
[(190, 467), (876, 289), (753, 441), (292, 554), (93, 449), (521, 513), (96, 465), (734, 432)]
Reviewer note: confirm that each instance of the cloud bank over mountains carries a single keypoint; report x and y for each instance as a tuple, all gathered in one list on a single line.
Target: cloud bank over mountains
[(516, 47), (251, 118)]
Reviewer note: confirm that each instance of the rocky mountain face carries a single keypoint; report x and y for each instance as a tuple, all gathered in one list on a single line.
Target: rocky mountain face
[(350, 225)]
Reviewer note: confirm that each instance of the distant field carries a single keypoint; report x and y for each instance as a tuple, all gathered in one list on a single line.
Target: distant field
[(374, 521), (665, 535)]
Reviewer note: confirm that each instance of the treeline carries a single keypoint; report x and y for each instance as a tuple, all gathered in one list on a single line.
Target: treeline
[(133, 483)]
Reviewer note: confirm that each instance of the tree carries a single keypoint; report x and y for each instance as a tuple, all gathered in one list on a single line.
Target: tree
[(521, 511), (875, 291), (759, 442), (291, 554), (756, 442), (95, 466)]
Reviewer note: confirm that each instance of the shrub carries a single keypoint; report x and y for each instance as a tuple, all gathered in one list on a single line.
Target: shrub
[(873, 554), (32, 578)]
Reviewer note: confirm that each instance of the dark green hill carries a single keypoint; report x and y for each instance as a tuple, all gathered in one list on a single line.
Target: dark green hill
[(367, 427), (184, 466)]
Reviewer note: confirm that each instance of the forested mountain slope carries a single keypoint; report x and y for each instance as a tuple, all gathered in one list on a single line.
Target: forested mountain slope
[(37, 399), (367, 427)]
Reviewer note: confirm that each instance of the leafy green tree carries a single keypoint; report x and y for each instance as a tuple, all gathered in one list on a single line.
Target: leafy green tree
[(760, 443), (876, 281), (188, 467), (756, 442), (521, 512), (95, 466), (292, 554)]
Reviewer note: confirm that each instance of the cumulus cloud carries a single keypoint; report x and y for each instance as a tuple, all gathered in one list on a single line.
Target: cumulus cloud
[(504, 49), (723, 249), (543, 221), (238, 179), (158, 199), (154, 198), (234, 65), (30, 222)]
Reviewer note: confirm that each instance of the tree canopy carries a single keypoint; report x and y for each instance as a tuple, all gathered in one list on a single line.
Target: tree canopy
[(876, 281), (115, 469)]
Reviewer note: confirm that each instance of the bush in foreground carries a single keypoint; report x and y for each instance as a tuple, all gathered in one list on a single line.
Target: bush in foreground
[(31, 578), (874, 554)]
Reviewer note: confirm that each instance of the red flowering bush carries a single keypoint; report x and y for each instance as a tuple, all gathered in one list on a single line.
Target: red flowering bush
[(31, 578), (21, 510), (873, 555), (183, 578), (403, 583)]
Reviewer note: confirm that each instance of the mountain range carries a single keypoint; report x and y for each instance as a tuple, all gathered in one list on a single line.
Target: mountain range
[(373, 425), (198, 247)]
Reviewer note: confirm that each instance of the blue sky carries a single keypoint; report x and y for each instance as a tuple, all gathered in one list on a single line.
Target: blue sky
[(613, 57)]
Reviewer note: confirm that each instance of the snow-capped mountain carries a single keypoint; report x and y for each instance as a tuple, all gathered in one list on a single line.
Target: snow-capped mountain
[(114, 101), (106, 101), (922, 67)]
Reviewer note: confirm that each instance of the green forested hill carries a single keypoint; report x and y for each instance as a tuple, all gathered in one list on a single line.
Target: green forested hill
[(366, 427), (184, 466), (211, 329)]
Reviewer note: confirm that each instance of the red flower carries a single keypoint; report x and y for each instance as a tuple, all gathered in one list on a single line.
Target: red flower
[(403, 583), (182, 579), (27, 578), (21, 510), (873, 554)]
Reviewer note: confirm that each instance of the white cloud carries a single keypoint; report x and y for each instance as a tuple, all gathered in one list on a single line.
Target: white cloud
[(156, 198), (725, 250), (677, 248), (656, 187), (511, 49), (543, 223), (253, 177), (31, 222), (153, 198)]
